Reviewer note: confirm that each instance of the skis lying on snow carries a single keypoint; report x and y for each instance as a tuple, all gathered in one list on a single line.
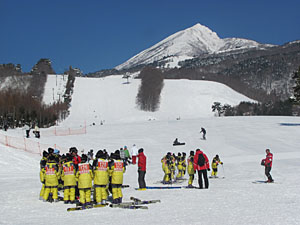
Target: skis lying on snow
[(161, 187), (261, 182), (87, 207), (137, 201), (214, 177), (127, 206)]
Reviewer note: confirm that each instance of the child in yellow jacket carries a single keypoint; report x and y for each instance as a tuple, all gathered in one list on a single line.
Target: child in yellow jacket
[(101, 177), (51, 176), (69, 179), (85, 178)]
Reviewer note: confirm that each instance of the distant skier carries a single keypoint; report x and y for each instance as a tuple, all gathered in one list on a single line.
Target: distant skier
[(201, 164), (27, 129), (267, 162), (203, 131), (37, 131)]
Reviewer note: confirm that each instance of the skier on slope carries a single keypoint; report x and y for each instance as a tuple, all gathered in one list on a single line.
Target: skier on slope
[(201, 164), (267, 162), (203, 131), (101, 178), (68, 177), (85, 178), (214, 165), (191, 170), (167, 164), (184, 163)]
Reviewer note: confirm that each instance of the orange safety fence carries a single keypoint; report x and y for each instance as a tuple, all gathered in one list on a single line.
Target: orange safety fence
[(29, 145), (63, 131)]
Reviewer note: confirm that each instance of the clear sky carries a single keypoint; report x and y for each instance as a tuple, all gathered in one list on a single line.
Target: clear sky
[(97, 34)]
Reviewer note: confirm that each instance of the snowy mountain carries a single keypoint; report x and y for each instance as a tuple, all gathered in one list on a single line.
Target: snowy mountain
[(187, 44)]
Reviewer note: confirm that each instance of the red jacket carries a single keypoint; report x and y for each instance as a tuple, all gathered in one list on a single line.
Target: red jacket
[(76, 159), (269, 160), (142, 161), (196, 166)]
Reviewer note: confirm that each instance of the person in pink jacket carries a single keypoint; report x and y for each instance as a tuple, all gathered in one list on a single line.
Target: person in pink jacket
[(201, 164)]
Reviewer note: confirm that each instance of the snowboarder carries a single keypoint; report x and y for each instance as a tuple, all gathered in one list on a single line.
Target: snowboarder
[(117, 177), (267, 162), (203, 131), (201, 164), (214, 165), (69, 179), (37, 131), (176, 142), (101, 178), (85, 178), (142, 169), (190, 169)]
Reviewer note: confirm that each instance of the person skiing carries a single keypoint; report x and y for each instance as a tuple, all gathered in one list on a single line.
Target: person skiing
[(184, 163), (68, 177), (134, 152), (201, 164), (85, 178), (203, 131), (141, 169), (51, 175), (117, 177), (101, 178), (190, 169), (267, 162), (214, 165)]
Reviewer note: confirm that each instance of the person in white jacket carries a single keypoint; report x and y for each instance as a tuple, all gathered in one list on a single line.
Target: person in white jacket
[(134, 153)]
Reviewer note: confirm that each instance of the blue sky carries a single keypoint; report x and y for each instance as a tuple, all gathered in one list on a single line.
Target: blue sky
[(94, 34)]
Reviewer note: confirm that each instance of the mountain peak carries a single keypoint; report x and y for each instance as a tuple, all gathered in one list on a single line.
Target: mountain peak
[(185, 44)]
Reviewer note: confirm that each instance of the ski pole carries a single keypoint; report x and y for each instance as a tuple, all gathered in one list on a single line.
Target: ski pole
[(223, 170)]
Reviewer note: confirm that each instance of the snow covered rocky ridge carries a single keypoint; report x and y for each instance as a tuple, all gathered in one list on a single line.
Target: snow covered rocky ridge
[(240, 142), (187, 44)]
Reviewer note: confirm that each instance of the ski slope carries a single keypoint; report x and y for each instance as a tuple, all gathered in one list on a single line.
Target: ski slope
[(239, 141)]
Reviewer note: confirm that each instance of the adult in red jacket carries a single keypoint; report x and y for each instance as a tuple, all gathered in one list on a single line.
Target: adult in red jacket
[(141, 168), (201, 164), (267, 162)]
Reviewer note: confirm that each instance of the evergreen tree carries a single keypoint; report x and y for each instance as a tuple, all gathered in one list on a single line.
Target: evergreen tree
[(296, 77)]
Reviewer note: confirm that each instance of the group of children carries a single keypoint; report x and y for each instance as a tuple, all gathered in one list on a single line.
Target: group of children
[(170, 162), (77, 175)]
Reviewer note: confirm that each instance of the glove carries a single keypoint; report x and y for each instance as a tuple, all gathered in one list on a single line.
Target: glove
[(208, 169)]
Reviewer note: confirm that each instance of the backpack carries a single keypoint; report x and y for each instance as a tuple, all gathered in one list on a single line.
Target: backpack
[(201, 160)]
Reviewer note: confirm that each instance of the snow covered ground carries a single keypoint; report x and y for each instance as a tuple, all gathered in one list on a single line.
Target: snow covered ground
[(239, 141)]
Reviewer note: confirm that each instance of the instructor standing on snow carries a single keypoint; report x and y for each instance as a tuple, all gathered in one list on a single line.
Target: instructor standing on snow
[(142, 168), (201, 164)]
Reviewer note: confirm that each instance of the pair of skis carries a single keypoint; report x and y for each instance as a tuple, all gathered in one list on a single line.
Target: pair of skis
[(135, 204)]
